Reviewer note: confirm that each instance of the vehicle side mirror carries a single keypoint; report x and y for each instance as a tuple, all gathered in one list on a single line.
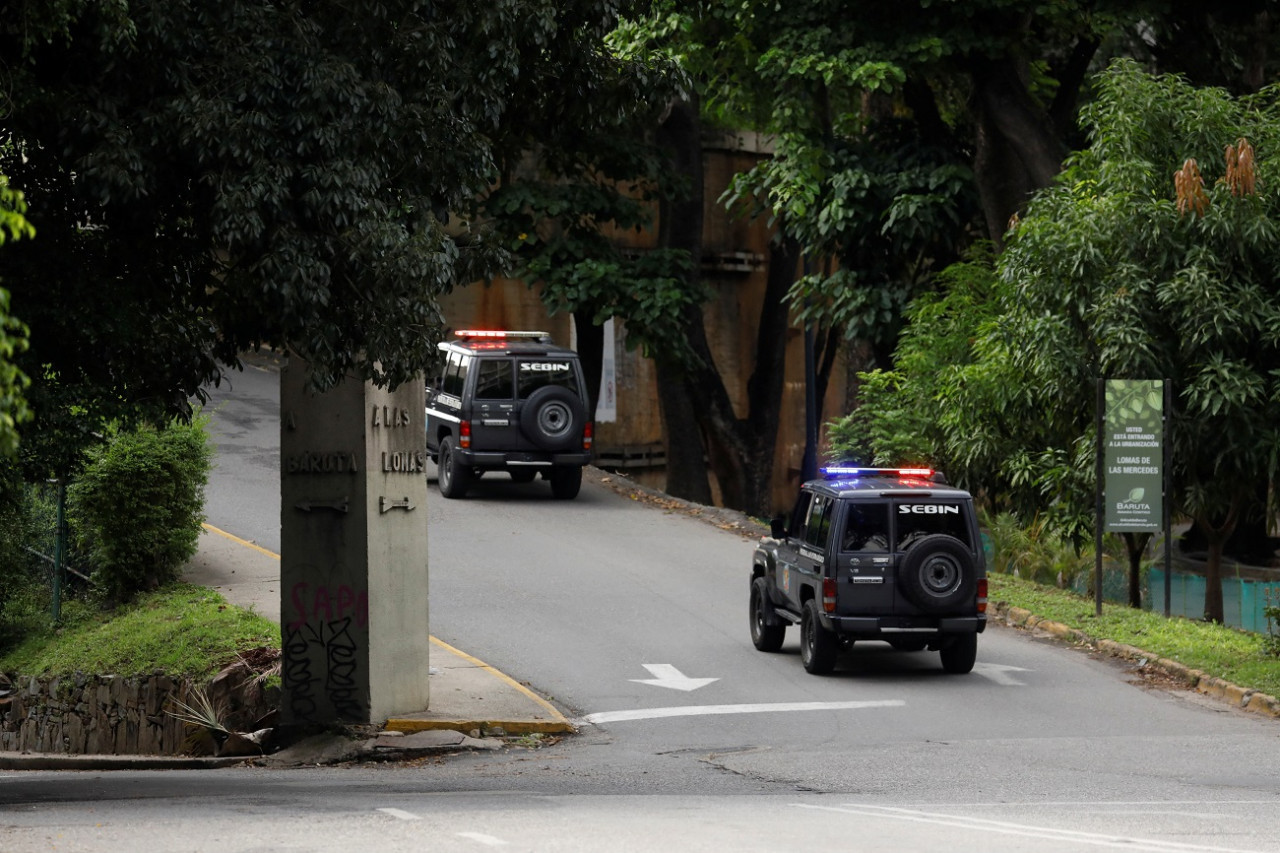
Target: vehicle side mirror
[(778, 527)]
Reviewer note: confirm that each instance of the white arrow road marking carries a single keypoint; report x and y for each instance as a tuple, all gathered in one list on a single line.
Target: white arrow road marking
[(1020, 829), (666, 675), (487, 840), (999, 673), (711, 710), (400, 813)]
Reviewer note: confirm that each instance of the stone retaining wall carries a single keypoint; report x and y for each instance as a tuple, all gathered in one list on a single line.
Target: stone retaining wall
[(111, 715)]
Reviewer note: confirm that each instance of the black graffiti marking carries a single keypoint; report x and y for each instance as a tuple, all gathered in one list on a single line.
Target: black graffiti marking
[(295, 675)]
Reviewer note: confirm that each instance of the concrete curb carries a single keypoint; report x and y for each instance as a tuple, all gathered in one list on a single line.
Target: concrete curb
[(1211, 686)]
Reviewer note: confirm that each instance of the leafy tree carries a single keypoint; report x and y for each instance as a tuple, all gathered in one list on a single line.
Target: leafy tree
[(214, 177), (13, 333), (1119, 270), (575, 182)]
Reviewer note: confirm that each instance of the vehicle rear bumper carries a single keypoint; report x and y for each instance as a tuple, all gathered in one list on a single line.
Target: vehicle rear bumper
[(520, 459), (899, 626)]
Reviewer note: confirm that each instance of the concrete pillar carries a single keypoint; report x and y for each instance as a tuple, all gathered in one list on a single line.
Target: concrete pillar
[(353, 556)]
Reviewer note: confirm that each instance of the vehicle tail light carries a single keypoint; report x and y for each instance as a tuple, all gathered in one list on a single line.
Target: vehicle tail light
[(588, 433), (982, 595), (829, 595), (464, 434)]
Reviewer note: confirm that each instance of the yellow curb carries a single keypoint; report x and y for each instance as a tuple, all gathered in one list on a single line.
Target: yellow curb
[(511, 727), (1261, 703), (245, 542), (557, 724)]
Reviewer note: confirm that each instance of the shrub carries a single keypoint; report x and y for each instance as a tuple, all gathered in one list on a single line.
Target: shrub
[(137, 507)]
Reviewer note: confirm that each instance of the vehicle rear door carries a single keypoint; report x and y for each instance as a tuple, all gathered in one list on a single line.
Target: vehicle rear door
[(549, 407), (494, 425), (864, 563)]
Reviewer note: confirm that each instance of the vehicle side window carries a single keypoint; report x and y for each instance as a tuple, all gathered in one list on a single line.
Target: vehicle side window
[(455, 374), (866, 527), (917, 520), (534, 374), (819, 525), (799, 514), (493, 379)]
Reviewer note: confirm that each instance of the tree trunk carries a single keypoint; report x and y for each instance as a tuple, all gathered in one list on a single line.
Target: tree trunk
[(591, 354), (1213, 611), (686, 451), (1216, 537), (1134, 545), (680, 227), (1017, 151)]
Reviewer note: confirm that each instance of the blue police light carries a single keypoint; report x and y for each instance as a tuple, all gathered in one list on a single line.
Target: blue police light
[(835, 471)]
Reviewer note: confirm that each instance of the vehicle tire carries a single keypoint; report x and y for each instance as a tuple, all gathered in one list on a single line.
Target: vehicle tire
[(938, 574), (566, 482), (909, 644), (818, 646), (454, 477), (959, 655), (767, 630), (552, 418), (523, 475)]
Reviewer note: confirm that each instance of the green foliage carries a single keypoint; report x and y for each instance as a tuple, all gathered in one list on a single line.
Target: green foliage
[(24, 518), (1272, 611), (138, 506), (13, 333), (181, 630), (1038, 553), (1103, 277), (216, 177)]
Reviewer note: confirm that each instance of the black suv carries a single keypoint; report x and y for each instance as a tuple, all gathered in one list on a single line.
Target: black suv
[(873, 554), (508, 401)]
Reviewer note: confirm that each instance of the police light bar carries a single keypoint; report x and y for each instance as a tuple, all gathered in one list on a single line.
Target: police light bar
[(471, 334), (847, 471)]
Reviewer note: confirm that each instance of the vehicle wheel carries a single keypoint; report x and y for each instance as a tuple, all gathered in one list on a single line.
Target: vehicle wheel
[(959, 655), (566, 481), (523, 475), (818, 646), (552, 418), (909, 644), (454, 478), (767, 630), (938, 573)]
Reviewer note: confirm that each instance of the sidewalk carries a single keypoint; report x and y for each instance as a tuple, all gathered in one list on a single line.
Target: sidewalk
[(467, 695)]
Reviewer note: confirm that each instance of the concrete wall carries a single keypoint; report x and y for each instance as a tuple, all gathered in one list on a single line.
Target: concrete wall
[(110, 715)]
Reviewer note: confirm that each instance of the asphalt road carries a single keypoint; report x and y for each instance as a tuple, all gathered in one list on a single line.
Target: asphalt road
[(632, 618)]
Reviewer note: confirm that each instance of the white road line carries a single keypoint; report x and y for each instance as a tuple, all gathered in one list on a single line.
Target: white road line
[(480, 837), (400, 813), (712, 710), (1025, 830)]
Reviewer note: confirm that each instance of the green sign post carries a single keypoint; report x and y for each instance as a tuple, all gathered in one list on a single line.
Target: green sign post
[(1133, 455), (1131, 466)]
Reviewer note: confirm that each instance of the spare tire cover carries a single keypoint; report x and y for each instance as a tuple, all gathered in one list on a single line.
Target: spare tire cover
[(938, 573), (552, 418)]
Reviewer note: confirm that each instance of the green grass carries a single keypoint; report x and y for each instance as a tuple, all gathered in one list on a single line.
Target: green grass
[(1240, 657), (180, 630)]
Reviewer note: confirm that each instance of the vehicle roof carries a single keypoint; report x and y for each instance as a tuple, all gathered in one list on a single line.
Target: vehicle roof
[(882, 485), (507, 347)]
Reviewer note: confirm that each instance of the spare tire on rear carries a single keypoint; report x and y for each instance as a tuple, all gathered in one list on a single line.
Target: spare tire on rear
[(938, 573), (552, 418)]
